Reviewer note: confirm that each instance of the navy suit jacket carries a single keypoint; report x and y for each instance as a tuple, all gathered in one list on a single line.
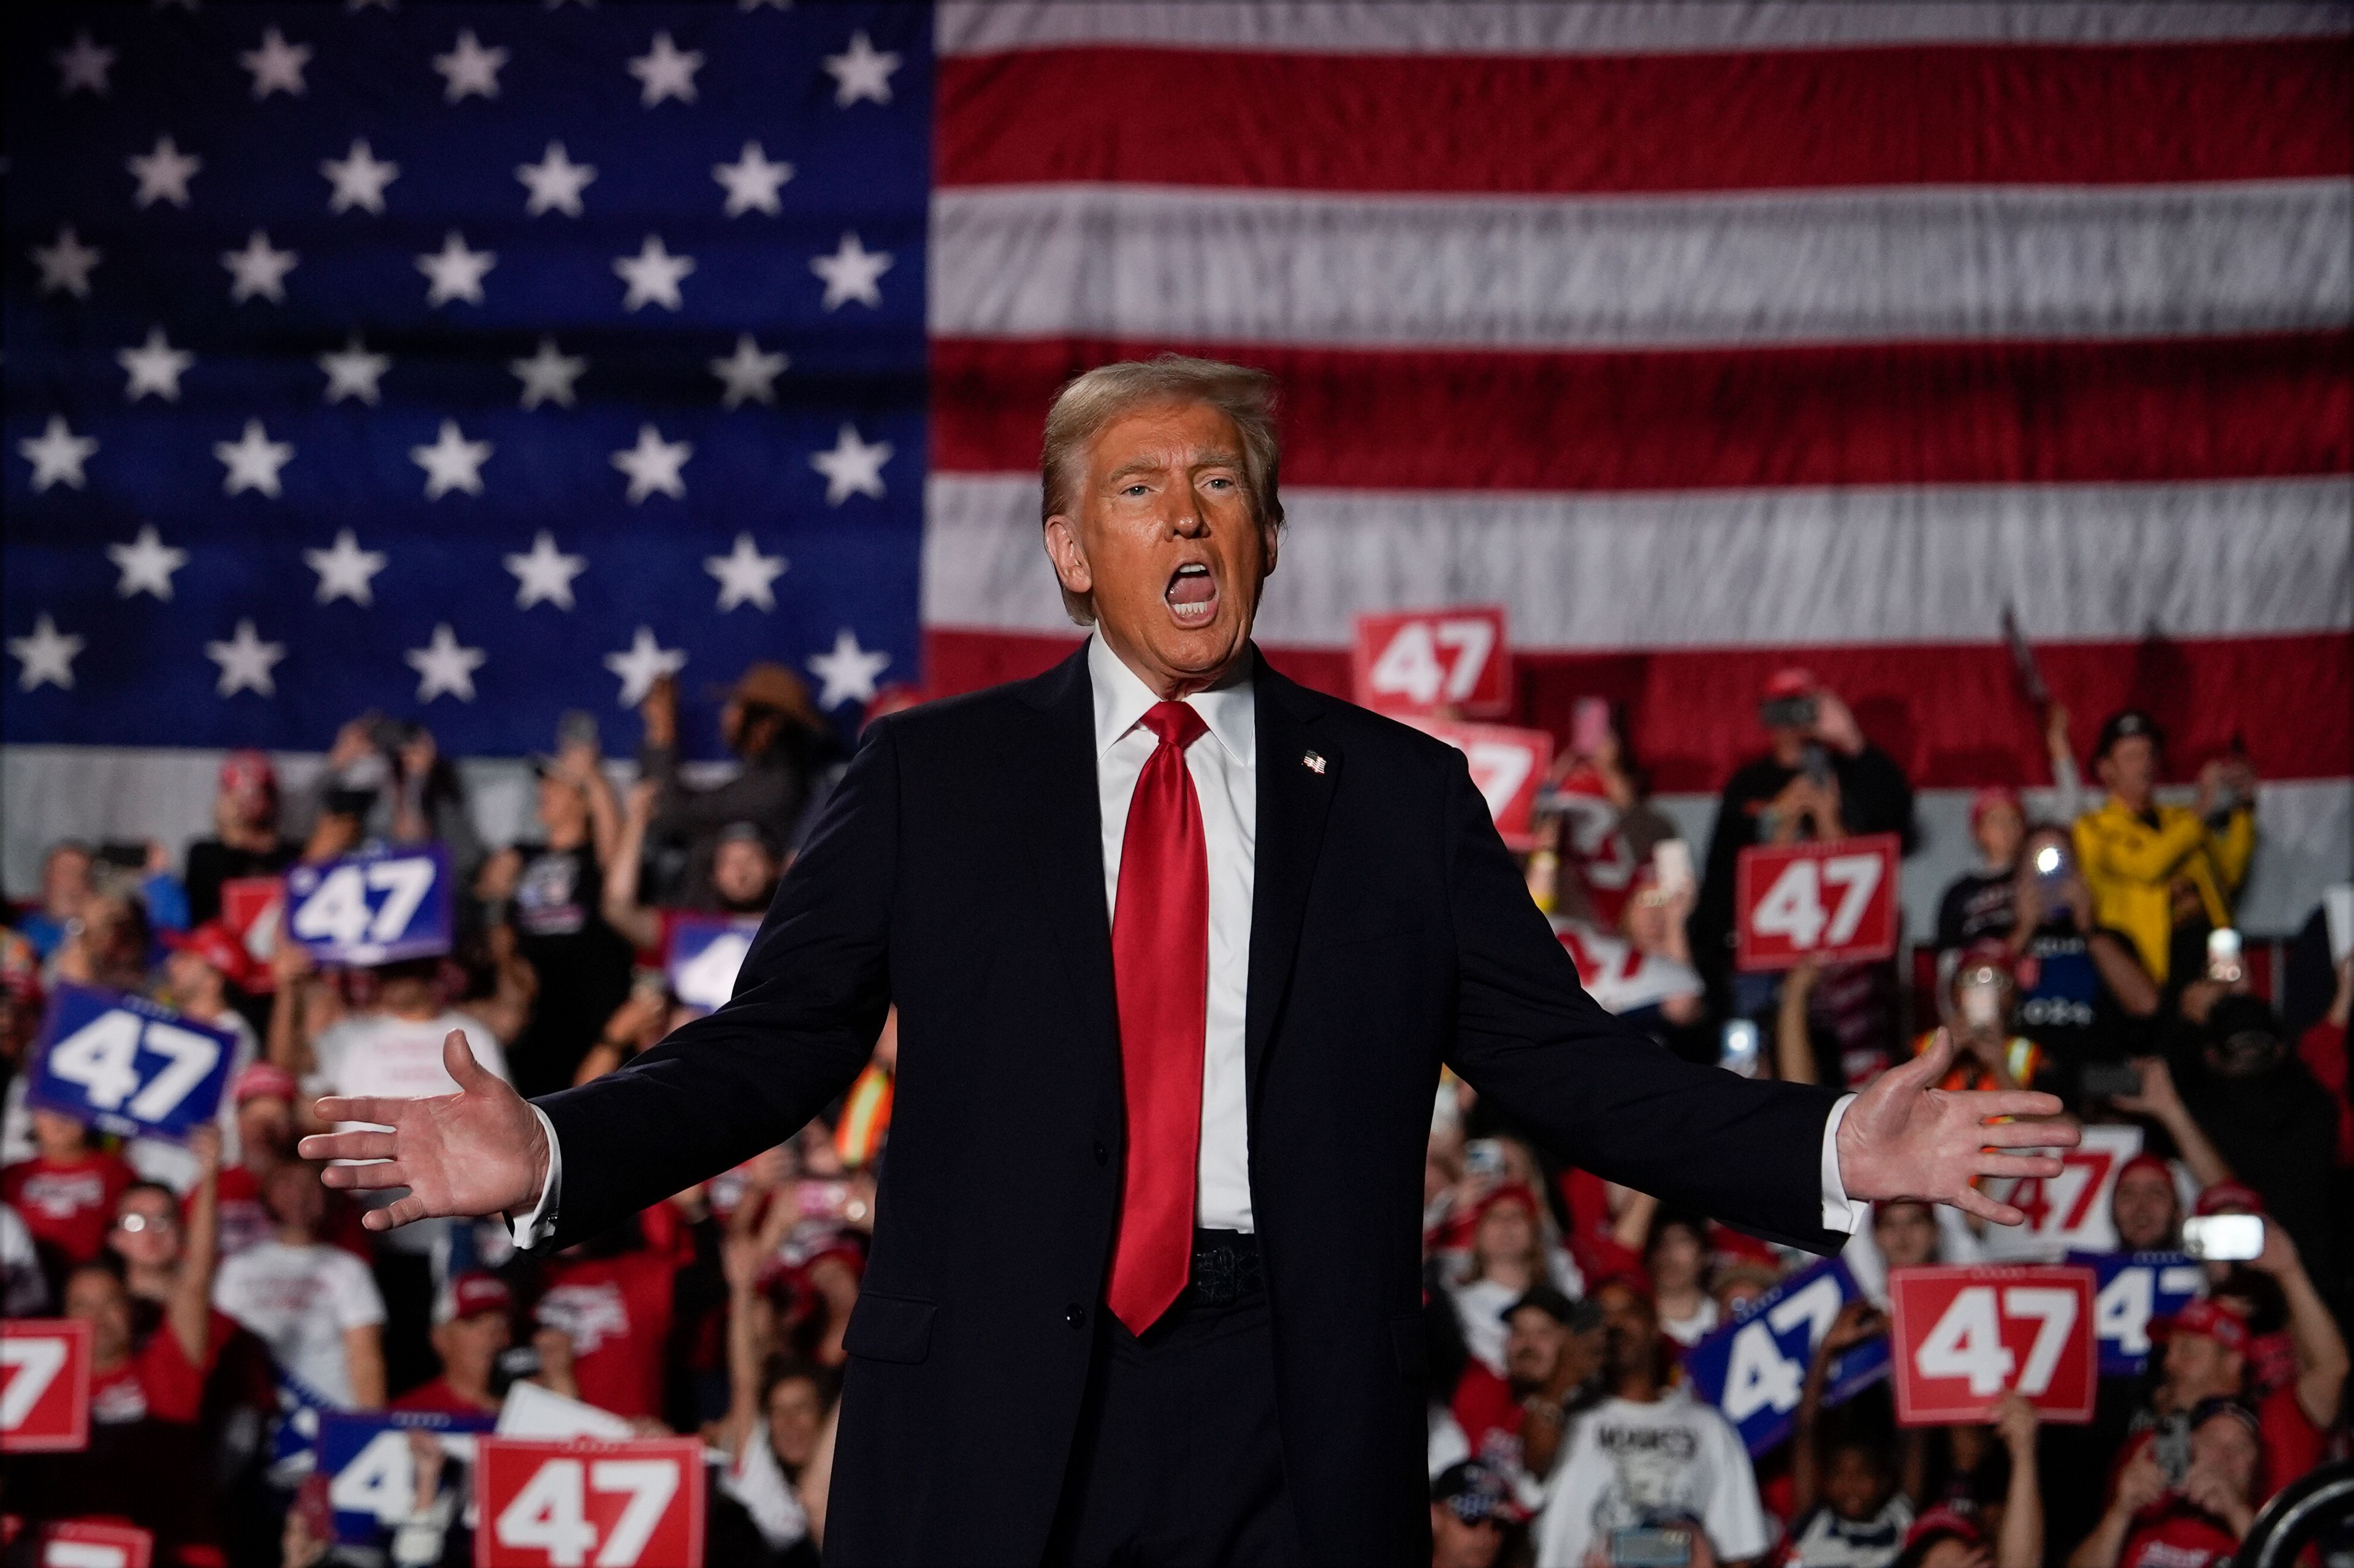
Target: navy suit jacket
[(958, 873)]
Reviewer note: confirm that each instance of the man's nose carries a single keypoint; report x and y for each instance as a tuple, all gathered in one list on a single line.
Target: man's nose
[(1185, 517)]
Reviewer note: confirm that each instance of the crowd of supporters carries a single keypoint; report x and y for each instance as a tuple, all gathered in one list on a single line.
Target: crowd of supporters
[(233, 1299)]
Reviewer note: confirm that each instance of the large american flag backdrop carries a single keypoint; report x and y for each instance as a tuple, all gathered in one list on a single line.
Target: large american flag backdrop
[(475, 363)]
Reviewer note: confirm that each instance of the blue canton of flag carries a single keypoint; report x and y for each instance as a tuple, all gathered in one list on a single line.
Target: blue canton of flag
[(469, 363)]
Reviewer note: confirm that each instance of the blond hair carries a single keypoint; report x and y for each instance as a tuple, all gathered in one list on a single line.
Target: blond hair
[(1090, 402)]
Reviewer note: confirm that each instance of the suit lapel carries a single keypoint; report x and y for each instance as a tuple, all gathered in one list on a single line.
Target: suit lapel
[(1294, 794), (1065, 837)]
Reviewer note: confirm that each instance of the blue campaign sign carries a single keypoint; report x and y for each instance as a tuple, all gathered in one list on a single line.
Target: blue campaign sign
[(371, 1474), (127, 1066), (1754, 1368), (703, 953), (375, 908), (2131, 1290)]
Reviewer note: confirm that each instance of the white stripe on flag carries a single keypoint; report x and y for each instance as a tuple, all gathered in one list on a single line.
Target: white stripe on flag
[(1796, 566), (986, 26), (1227, 266)]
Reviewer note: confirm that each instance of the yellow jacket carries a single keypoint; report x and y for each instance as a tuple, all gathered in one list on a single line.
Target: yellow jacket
[(2130, 865)]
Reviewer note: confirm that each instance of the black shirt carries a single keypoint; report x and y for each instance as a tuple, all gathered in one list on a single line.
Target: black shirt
[(212, 863), (1978, 904), (583, 963)]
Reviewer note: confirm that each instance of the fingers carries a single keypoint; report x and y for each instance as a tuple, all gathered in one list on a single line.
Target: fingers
[(2045, 1166), (347, 1146), (2028, 1135), (366, 1178), (394, 1214), (458, 1061), (1986, 1103), (1970, 1201), (365, 1108), (1930, 1065)]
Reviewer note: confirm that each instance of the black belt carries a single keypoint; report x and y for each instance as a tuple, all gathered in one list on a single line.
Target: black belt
[(1225, 1269)]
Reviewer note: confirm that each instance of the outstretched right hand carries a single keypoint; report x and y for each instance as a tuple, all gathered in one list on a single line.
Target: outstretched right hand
[(480, 1151)]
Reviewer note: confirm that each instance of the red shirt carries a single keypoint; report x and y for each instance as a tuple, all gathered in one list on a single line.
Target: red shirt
[(244, 1219), (2292, 1445), (440, 1398), (618, 1312), (2174, 1534), (68, 1204), (155, 1380), (1485, 1408)]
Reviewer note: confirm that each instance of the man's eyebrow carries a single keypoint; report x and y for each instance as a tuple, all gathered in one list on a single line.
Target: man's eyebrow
[(1220, 459)]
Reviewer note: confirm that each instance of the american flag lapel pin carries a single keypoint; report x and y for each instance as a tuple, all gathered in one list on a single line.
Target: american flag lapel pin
[(1313, 763)]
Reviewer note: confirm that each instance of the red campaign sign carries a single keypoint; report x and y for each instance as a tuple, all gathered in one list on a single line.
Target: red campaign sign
[(571, 1504), (1835, 900), (1964, 1337), (1507, 764), (88, 1543), (251, 908), (43, 1385), (1411, 663)]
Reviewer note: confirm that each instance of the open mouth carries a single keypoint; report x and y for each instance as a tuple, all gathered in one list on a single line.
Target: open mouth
[(1192, 594)]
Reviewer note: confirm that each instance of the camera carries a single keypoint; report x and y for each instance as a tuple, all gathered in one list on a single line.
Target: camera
[(1788, 712)]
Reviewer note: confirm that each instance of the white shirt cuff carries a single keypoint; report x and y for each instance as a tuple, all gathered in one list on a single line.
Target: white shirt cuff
[(530, 1230), (1841, 1213)]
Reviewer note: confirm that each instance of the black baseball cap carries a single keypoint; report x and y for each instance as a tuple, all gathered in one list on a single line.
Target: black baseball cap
[(1472, 1492), (1574, 1316), (2124, 723)]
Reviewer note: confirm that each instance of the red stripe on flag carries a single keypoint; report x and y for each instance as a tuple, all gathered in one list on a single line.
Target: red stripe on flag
[(1966, 114), (1950, 413), (1951, 714)]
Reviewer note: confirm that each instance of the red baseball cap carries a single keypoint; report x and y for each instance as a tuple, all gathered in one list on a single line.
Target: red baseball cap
[(1992, 796), (1946, 1522), (470, 1293), (216, 944), (243, 771), (2154, 1163), (1507, 1193), (1791, 680), (2213, 1319), (2225, 1196), (262, 1080)]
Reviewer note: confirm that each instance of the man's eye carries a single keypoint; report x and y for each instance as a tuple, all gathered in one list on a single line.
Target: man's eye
[(1222, 483), (1133, 490)]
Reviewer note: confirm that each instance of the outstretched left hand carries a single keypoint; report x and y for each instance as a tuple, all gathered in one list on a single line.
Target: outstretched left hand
[(1903, 1139)]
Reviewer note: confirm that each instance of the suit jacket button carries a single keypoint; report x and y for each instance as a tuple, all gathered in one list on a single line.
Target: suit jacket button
[(1103, 1155), (1075, 1314)]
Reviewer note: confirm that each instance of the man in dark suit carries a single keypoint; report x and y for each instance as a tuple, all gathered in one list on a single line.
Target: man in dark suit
[(1178, 949)]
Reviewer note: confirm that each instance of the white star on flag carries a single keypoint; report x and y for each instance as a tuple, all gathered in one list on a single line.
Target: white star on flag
[(654, 464), (555, 183), (748, 375), (849, 273), (154, 367), (82, 68), (67, 264), (253, 460), (853, 468), (752, 182), (847, 669), (359, 177), (57, 454), (353, 372), (469, 69), (443, 666), (667, 70), (344, 571), (548, 375), (245, 662), (860, 71), (147, 564), (277, 65), (745, 575), (652, 275), (260, 268), (48, 655), (545, 576), (454, 273), (162, 174), (451, 463), (643, 663)]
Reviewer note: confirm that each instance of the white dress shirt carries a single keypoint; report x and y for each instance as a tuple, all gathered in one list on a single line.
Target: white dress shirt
[(1224, 764)]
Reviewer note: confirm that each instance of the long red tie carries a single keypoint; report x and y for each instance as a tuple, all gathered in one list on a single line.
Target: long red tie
[(1160, 971)]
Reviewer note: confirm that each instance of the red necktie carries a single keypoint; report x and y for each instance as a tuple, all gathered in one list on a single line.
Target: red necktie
[(1161, 971)]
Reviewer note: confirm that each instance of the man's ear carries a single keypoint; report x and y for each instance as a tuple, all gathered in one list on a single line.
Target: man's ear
[(1070, 557), (1270, 539)]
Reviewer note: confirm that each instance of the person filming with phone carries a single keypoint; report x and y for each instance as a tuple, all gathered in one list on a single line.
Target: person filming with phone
[(2154, 868)]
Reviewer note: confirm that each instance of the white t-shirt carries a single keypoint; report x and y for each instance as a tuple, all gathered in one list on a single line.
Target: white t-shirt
[(1630, 1465), (1479, 1307), (300, 1300), (377, 1053), (1692, 1331), (1824, 1539)]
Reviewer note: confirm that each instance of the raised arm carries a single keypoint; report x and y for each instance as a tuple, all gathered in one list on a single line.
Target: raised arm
[(190, 1311), (621, 907)]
